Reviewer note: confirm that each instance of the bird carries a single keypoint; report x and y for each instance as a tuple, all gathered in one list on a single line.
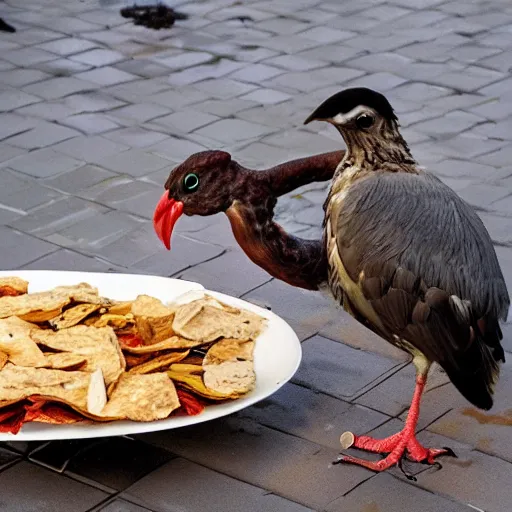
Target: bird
[(210, 182), (401, 252), (412, 261)]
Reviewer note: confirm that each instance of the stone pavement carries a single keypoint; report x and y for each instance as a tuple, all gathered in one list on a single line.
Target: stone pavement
[(96, 111)]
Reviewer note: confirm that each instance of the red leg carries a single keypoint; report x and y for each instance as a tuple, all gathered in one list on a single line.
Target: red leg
[(396, 445)]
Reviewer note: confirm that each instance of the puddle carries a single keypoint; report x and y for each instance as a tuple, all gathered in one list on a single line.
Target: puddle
[(490, 419)]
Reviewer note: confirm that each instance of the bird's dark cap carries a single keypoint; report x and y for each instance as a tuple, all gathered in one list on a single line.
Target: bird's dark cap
[(348, 99)]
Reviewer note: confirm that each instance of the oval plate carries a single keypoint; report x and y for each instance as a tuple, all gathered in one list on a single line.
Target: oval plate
[(277, 353)]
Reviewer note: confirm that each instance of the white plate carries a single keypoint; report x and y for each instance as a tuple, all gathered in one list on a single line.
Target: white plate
[(277, 352)]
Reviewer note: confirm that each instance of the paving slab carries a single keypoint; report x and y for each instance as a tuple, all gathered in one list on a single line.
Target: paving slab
[(338, 370), (135, 103), (239, 448), (384, 493), (182, 485), (312, 415), (229, 273), (473, 478), (307, 312), (487, 431), (42, 491), (64, 259)]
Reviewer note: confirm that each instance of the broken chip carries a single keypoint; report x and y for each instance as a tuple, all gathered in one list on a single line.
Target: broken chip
[(16, 343), (43, 306), (228, 367), (175, 342), (153, 319), (99, 346), (202, 321), (12, 286), (65, 360), (18, 383), (195, 383), (141, 397), (159, 363), (73, 316)]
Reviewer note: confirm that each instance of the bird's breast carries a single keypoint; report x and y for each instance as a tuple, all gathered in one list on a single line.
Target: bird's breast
[(340, 282)]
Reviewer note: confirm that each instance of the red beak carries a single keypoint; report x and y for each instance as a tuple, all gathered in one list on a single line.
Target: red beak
[(167, 212)]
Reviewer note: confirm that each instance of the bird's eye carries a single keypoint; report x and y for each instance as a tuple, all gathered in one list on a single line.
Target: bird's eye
[(365, 121), (191, 182)]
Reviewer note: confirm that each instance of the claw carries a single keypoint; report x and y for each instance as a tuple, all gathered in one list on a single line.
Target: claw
[(449, 452)]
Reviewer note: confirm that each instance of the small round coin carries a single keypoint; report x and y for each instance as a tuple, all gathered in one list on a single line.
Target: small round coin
[(347, 439)]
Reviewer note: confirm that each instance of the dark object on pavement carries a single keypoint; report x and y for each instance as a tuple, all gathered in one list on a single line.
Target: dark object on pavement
[(5, 27), (153, 16)]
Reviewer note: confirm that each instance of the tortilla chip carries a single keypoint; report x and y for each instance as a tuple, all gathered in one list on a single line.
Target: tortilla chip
[(195, 383), (229, 368), (193, 369), (12, 286), (142, 397), (73, 316), (134, 359), (111, 320), (153, 319), (173, 343), (65, 360), (121, 308), (15, 341), (229, 350), (159, 363), (99, 346), (43, 306), (201, 321), (144, 305), (18, 382)]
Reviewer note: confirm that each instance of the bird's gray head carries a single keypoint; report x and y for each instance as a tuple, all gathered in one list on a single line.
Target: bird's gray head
[(368, 124)]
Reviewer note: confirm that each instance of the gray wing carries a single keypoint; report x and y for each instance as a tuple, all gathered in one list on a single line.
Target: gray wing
[(425, 262)]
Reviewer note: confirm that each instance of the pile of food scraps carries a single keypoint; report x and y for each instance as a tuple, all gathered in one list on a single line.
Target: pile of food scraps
[(69, 355)]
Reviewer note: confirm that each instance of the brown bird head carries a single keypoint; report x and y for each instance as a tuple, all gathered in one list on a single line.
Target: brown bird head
[(202, 185)]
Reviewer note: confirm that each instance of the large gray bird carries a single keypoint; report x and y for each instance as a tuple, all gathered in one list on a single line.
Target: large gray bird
[(412, 261)]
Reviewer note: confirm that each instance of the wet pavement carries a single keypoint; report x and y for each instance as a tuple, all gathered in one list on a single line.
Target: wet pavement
[(96, 111)]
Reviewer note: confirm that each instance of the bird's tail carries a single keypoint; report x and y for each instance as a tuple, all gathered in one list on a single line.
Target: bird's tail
[(477, 368)]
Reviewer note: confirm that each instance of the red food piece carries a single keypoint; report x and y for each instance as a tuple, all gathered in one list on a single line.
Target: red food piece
[(11, 418), (43, 411), (190, 405), (9, 291), (130, 340)]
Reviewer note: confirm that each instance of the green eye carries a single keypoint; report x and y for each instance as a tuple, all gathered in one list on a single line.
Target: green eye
[(191, 182)]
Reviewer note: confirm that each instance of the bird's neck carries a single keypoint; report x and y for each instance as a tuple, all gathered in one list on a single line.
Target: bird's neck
[(298, 262), (286, 177), (388, 152)]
